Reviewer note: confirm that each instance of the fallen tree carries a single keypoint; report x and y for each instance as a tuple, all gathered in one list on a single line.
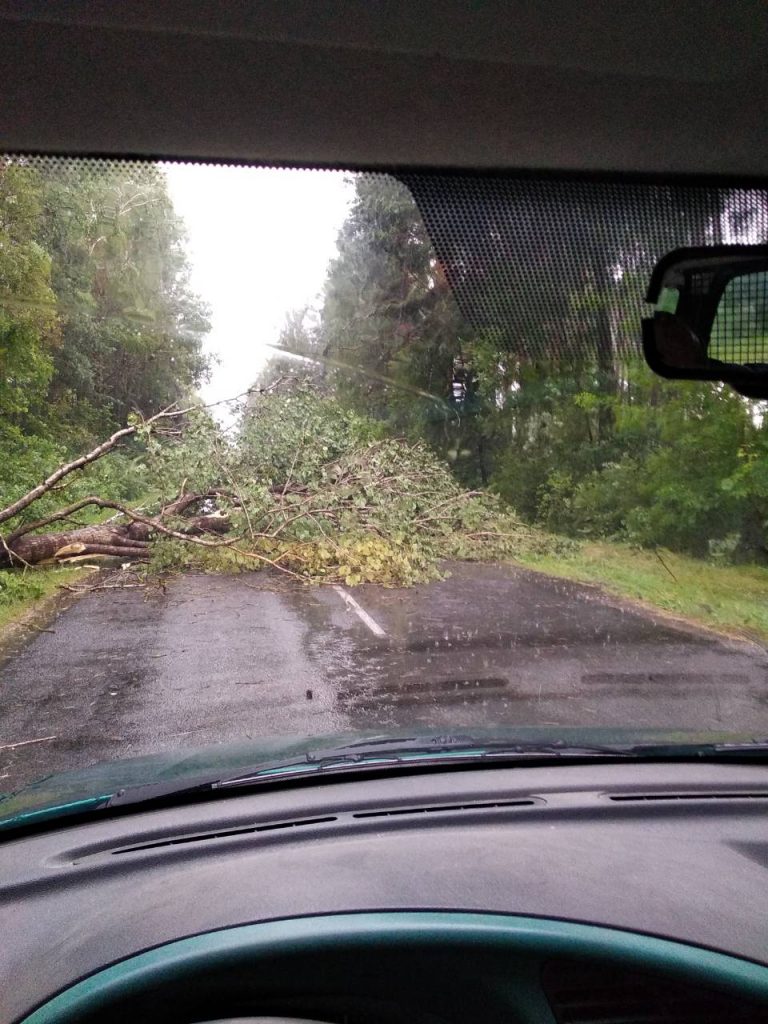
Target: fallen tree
[(126, 535), (130, 540), (305, 486)]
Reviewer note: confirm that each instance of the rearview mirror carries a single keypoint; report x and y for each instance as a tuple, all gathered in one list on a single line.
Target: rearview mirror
[(710, 320)]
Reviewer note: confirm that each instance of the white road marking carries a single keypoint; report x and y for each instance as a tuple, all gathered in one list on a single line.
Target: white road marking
[(350, 602), (25, 743)]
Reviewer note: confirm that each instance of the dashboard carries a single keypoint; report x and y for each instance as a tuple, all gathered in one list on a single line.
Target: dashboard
[(578, 893)]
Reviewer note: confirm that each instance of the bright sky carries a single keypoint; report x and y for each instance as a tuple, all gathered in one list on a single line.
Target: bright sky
[(260, 241)]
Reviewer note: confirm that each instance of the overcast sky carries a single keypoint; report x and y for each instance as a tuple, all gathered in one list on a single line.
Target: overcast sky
[(260, 241)]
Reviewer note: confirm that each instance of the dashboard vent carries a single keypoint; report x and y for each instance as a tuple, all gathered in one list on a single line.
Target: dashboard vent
[(276, 826), (628, 798), (437, 808), (201, 837), (589, 993)]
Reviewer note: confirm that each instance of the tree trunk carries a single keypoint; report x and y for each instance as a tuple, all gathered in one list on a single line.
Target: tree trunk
[(87, 540), (129, 540), (215, 522)]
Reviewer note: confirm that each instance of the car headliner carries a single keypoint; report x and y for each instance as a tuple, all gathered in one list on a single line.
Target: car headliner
[(598, 85)]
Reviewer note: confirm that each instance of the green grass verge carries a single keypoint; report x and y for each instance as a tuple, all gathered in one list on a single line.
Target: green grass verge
[(23, 592), (732, 599)]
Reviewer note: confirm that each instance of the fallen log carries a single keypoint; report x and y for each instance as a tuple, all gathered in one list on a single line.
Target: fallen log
[(88, 550), (214, 522), (32, 548), (128, 540)]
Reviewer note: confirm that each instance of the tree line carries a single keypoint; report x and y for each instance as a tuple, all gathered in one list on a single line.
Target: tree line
[(97, 317), (581, 440)]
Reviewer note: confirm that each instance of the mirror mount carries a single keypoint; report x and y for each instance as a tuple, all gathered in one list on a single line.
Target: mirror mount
[(710, 320)]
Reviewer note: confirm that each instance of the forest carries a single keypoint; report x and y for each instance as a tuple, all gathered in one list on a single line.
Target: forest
[(586, 443), (391, 431)]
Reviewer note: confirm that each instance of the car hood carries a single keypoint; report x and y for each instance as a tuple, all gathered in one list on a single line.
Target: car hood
[(94, 786)]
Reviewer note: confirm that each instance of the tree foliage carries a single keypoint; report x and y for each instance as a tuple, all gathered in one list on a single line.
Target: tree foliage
[(587, 446), (97, 317), (321, 491), (390, 332), (28, 327)]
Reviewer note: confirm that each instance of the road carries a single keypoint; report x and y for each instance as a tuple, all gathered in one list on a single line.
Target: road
[(121, 673)]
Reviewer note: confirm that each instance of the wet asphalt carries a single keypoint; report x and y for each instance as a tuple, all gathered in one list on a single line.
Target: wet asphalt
[(211, 659)]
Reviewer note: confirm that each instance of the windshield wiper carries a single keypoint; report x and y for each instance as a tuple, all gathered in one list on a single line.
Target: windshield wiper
[(371, 755), (428, 752)]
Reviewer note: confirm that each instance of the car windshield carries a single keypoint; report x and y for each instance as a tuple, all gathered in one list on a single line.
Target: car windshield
[(290, 454)]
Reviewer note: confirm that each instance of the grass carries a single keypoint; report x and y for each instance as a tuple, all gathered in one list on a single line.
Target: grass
[(20, 592), (730, 598)]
